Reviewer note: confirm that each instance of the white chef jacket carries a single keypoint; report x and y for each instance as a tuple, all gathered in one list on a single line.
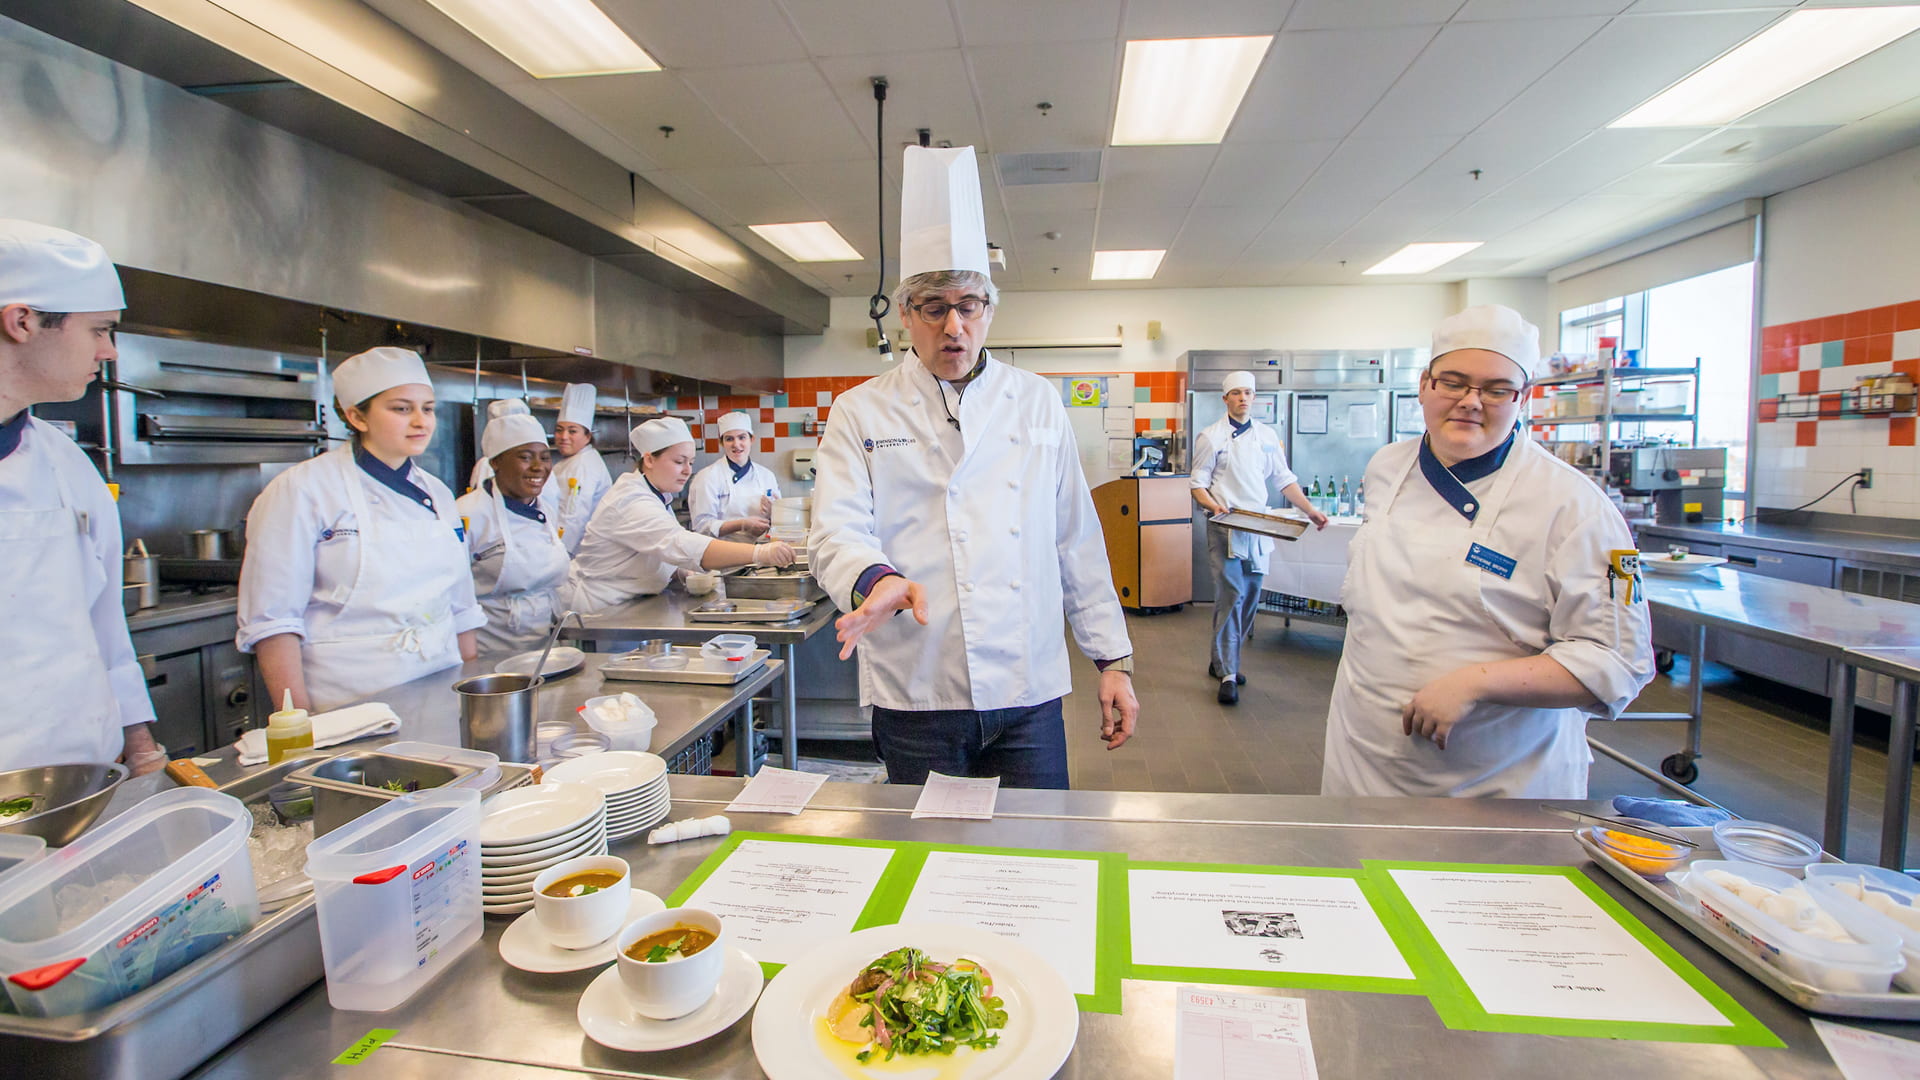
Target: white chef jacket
[(578, 484), (519, 566), (1417, 610), (632, 547), (68, 700), (1236, 472), (993, 520), (714, 496)]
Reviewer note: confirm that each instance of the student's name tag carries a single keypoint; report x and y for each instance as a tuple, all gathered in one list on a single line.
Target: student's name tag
[(1491, 561)]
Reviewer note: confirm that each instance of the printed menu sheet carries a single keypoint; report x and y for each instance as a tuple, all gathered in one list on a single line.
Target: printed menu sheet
[(1240, 1037), (1050, 905), (1869, 1055), (781, 898)]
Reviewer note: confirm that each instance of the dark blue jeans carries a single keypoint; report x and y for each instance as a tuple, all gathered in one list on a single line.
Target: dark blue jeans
[(1025, 747)]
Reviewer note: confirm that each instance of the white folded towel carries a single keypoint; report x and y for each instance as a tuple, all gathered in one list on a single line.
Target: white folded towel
[(691, 828), (329, 729)]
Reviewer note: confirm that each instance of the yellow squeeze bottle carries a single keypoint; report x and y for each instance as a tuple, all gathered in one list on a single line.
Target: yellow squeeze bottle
[(288, 731)]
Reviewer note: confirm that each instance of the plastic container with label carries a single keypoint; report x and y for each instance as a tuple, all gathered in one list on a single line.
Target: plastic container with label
[(1822, 877), (128, 903), (1865, 966), (397, 894)]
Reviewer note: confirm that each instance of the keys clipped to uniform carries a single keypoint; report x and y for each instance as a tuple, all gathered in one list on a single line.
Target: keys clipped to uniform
[(1624, 565)]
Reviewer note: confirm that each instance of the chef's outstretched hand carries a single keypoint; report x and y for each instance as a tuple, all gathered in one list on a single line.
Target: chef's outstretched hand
[(1118, 708), (1440, 705), (1319, 519), (890, 594)]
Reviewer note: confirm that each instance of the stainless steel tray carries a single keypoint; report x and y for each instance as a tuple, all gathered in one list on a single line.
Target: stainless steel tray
[(1666, 896), (1275, 525), (750, 611), (769, 583), (700, 668)]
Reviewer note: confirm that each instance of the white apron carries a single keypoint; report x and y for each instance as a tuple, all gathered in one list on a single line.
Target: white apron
[(533, 566), (59, 708), (1416, 611), (395, 623), (1240, 478)]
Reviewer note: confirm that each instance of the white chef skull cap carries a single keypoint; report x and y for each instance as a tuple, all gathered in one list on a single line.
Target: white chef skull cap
[(1238, 380), (733, 421), (659, 433), (576, 405), (53, 270), (1495, 328), (500, 407), (363, 375), (943, 225), (506, 432)]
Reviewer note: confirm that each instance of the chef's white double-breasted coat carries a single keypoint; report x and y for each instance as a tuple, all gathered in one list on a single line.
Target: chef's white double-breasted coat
[(714, 496), (519, 565)]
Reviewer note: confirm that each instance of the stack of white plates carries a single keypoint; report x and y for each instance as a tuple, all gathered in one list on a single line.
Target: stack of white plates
[(526, 830), (633, 781)]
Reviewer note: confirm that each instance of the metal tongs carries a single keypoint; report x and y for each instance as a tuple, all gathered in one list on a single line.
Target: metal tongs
[(1632, 828)]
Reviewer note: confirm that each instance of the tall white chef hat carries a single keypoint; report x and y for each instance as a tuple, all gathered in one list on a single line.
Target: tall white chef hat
[(506, 432), (363, 375), (576, 405), (51, 269), (1238, 380), (659, 433), (500, 407), (733, 421), (942, 223), (1495, 328)]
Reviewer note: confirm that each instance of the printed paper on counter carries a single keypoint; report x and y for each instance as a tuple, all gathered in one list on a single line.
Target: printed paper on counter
[(781, 898), (777, 791), (1271, 923), (1240, 1037), (970, 798), (1869, 1055), (1050, 905)]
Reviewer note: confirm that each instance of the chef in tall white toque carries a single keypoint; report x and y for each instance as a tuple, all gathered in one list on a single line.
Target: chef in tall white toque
[(483, 467), (580, 478), (513, 537), (733, 497)]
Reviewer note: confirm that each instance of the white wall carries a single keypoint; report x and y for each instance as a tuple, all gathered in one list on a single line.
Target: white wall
[(1848, 242)]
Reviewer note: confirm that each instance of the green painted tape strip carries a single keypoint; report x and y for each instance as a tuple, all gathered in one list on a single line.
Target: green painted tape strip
[(364, 1049)]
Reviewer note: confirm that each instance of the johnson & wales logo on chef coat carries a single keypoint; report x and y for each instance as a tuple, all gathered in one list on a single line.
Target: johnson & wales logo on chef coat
[(887, 444)]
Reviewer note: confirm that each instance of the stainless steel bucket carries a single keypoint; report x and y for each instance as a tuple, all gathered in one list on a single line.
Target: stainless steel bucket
[(497, 714), (211, 544)]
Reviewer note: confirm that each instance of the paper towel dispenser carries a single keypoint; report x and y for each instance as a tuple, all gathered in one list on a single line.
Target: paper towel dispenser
[(803, 464)]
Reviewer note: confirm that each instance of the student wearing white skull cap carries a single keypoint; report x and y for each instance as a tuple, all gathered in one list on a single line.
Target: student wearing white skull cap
[(75, 691), (483, 466), (513, 537), (580, 477), (356, 573), (635, 546), (733, 497), (1492, 594)]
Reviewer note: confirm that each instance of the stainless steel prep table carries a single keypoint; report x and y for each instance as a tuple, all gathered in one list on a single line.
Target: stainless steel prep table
[(1902, 666), (665, 616), (484, 1019)]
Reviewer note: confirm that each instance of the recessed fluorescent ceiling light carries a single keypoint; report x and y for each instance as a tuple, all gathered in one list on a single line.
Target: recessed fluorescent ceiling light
[(552, 39), (1126, 265), (1184, 90), (1420, 258), (1773, 63), (808, 241)]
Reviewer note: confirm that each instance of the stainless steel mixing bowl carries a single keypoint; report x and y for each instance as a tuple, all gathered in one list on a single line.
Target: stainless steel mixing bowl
[(64, 799)]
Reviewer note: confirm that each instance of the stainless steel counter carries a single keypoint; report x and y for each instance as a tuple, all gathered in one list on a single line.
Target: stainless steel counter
[(482, 1019), (1823, 540), (180, 607)]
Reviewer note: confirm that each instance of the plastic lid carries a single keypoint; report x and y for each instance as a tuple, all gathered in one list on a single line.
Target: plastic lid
[(42, 977), (388, 834)]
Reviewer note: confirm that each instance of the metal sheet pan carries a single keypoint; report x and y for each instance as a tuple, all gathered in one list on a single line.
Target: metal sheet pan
[(768, 583), (700, 667), (1275, 525), (749, 611)]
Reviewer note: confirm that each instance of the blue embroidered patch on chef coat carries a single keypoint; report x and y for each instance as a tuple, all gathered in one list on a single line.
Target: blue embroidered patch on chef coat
[(1491, 561)]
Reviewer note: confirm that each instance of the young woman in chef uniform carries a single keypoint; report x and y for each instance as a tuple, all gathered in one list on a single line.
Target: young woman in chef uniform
[(483, 468), (356, 573), (733, 497), (634, 544), (513, 536), (1492, 594), (580, 478)]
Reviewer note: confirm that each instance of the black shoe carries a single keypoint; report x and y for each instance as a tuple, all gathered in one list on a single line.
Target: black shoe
[(1213, 672), (1229, 692), (1239, 679)]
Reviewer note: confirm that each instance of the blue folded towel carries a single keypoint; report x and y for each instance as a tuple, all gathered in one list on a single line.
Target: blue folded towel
[(1675, 812)]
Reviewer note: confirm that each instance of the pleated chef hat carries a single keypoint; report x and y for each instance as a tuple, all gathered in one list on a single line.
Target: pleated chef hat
[(51, 269), (500, 407), (576, 405), (734, 421), (942, 224), (659, 433), (1495, 328), (365, 374), (1238, 380), (506, 432)]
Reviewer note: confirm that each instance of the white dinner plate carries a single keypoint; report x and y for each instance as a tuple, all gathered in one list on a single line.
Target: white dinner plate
[(628, 828), (1043, 1017), (615, 772), (525, 944), (594, 845), (563, 660), (549, 810), (609, 1018), (507, 864), (644, 806), (508, 909), (491, 852), (1656, 563)]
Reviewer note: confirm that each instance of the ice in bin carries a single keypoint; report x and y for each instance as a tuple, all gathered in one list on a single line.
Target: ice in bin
[(397, 894), (128, 903)]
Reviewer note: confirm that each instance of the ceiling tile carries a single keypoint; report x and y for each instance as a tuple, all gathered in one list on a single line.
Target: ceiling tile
[(1495, 216), (1880, 80), (1078, 79), (1345, 14), (1262, 175), (751, 195), (1600, 158), (1218, 233), (1402, 219), (1071, 251), (924, 90), (1026, 198), (837, 28), (1675, 180), (1013, 22), (1319, 84), (1361, 173), (1745, 145), (634, 107), (1138, 229), (1470, 71), (1154, 176), (1216, 18), (843, 189), (1658, 7), (1476, 10), (1501, 151), (711, 33), (784, 111)]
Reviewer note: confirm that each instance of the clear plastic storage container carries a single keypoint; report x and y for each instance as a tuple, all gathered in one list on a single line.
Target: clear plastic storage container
[(397, 893), (1865, 967), (19, 849), (128, 903), (1821, 877)]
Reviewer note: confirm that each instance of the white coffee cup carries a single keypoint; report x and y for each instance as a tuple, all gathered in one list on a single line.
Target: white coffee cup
[(581, 922), (667, 989), (701, 584)]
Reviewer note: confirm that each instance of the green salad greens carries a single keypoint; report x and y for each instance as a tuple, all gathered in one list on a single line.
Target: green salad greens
[(921, 1006), (16, 807)]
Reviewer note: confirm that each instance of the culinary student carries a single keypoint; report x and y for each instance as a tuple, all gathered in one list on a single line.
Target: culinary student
[(356, 573), (513, 537), (1235, 459), (1492, 593), (733, 497), (496, 409), (634, 545), (75, 691), (580, 478), (949, 487)]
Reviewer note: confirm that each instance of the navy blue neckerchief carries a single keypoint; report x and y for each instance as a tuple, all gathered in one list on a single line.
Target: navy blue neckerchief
[(1451, 484), (526, 510), (392, 478), (739, 471), (665, 499), (1239, 428), (10, 434)]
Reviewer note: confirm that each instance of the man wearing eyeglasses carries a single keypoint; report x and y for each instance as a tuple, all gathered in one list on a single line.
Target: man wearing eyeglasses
[(950, 487), (1492, 594)]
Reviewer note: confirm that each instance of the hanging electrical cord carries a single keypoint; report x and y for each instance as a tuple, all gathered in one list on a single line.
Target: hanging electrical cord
[(879, 303), (1857, 478)]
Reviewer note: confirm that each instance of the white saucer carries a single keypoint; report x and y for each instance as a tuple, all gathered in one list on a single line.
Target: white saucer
[(561, 661), (525, 946), (610, 1020)]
